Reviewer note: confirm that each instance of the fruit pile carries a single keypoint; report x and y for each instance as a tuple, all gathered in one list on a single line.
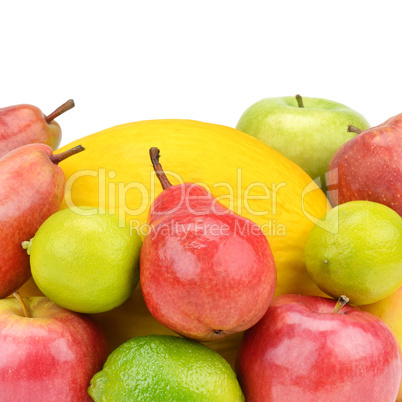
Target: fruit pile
[(228, 274)]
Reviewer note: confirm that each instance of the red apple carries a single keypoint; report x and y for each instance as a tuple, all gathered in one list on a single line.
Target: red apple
[(47, 353), (305, 350), (369, 167)]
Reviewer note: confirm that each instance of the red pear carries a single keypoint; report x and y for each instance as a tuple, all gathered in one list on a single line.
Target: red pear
[(369, 167), (26, 124), (205, 272), (31, 189)]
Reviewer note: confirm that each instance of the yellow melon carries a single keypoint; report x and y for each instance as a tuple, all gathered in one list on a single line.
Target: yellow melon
[(115, 173)]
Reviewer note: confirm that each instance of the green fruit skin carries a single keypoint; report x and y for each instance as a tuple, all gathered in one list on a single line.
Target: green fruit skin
[(339, 266), (165, 368), (308, 136), (105, 273)]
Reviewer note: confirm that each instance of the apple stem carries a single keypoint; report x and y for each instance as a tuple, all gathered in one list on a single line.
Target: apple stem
[(340, 303), (22, 304), (60, 110), (154, 153), (57, 158), (353, 129), (299, 100)]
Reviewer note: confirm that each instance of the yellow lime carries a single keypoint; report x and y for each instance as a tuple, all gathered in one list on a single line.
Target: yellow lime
[(165, 368), (85, 260), (357, 251)]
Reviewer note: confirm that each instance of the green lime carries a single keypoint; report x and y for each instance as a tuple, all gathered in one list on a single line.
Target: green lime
[(85, 261), (165, 368), (357, 251)]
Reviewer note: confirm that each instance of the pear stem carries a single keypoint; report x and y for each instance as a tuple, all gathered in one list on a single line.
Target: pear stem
[(57, 158), (353, 129), (299, 100), (340, 303), (154, 153), (60, 110), (22, 304)]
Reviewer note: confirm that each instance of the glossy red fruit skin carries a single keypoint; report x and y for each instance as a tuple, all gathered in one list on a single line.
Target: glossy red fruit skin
[(369, 167), (25, 124), (50, 356), (302, 351), (200, 276), (31, 189)]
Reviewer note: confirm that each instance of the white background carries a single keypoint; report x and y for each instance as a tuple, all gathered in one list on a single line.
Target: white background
[(125, 61)]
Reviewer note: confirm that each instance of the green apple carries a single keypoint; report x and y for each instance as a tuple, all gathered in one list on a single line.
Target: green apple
[(306, 130)]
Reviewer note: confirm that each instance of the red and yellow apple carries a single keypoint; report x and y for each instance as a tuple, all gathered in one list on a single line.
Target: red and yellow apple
[(47, 353), (303, 349), (369, 167)]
